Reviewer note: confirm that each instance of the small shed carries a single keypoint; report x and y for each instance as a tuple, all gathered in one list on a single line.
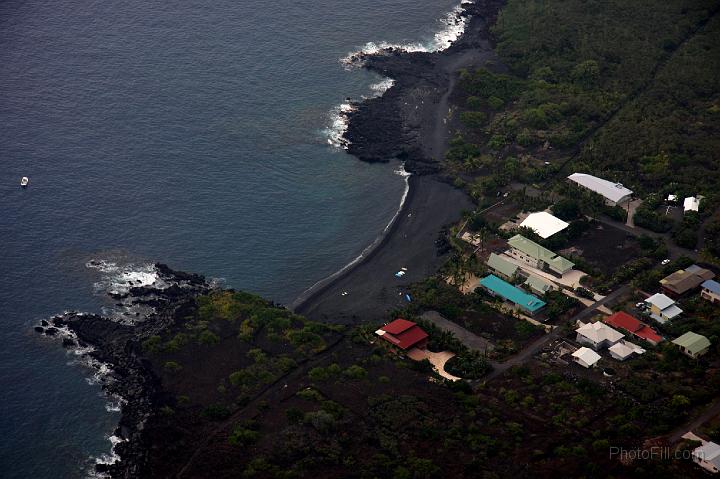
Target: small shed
[(586, 357)]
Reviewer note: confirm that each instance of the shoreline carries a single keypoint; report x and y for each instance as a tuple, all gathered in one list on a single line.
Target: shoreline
[(366, 255), (112, 350), (405, 123), (390, 126)]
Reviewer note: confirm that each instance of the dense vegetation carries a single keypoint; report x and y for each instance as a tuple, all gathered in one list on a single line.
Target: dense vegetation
[(629, 91), (359, 411)]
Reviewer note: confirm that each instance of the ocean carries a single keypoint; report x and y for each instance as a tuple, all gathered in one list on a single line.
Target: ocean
[(205, 135)]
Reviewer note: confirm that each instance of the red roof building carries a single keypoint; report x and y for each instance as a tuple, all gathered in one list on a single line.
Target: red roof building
[(641, 330), (403, 334)]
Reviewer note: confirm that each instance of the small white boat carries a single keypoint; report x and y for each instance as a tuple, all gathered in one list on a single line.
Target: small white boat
[(24, 181)]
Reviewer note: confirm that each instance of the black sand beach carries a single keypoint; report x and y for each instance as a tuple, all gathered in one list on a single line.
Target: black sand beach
[(372, 286), (412, 121)]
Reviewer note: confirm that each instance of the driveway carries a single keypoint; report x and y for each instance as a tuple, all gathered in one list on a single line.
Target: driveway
[(469, 339)]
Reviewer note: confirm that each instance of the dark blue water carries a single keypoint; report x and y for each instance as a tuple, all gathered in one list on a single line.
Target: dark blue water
[(191, 133)]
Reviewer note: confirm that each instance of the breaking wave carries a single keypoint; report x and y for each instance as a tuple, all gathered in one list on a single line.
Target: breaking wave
[(102, 374), (119, 278), (335, 132), (382, 86), (452, 27)]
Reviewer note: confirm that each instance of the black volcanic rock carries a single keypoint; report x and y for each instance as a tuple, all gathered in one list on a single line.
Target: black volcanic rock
[(119, 346)]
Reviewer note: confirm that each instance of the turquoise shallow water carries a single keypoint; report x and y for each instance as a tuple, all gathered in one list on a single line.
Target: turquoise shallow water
[(192, 133)]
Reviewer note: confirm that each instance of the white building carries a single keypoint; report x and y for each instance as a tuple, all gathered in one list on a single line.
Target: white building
[(598, 335), (544, 224), (614, 193), (692, 203), (586, 357), (707, 456), (624, 349), (663, 308)]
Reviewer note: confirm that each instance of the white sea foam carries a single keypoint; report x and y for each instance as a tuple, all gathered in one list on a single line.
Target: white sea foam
[(452, 26), (118, 279), (102, 374), (335, 132), (382, 86), (110, 458)]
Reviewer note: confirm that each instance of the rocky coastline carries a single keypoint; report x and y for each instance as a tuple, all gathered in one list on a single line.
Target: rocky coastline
[(113, 348), (400, 124)]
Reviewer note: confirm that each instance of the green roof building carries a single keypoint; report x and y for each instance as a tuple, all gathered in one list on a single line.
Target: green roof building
[(503, 267), (538, 256), (538, 285), (693, 344), (498, 287)]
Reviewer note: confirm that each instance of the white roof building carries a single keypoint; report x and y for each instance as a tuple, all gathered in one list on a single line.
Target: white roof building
[(660, 300), (624, 349), (598, 335), (586, 357), (672, 198), (707, 456), (544, 224), (692, 203), (662, 308), (613, 192)]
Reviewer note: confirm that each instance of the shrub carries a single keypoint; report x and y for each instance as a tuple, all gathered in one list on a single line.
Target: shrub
[(310, 394), (473, 119), (208, 338), (495, 102), (474, 102), (243, 435), (322, 421), (152, 344), (355, 372), (469, 364)]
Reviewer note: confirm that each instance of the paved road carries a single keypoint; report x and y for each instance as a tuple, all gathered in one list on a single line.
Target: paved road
[(537, 345), (712, 410), (468, 338)]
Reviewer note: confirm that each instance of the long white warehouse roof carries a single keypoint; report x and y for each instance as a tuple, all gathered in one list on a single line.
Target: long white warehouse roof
[(615, 192), (544, 224)]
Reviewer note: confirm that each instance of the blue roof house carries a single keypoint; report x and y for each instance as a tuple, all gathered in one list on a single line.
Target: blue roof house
[(522, 300), (711, 291)]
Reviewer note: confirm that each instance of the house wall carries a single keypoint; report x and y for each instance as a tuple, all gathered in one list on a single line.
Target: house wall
[(615, 356), (529, 260), (705, 465), (710, 296), (694, 356), (587, 341)]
